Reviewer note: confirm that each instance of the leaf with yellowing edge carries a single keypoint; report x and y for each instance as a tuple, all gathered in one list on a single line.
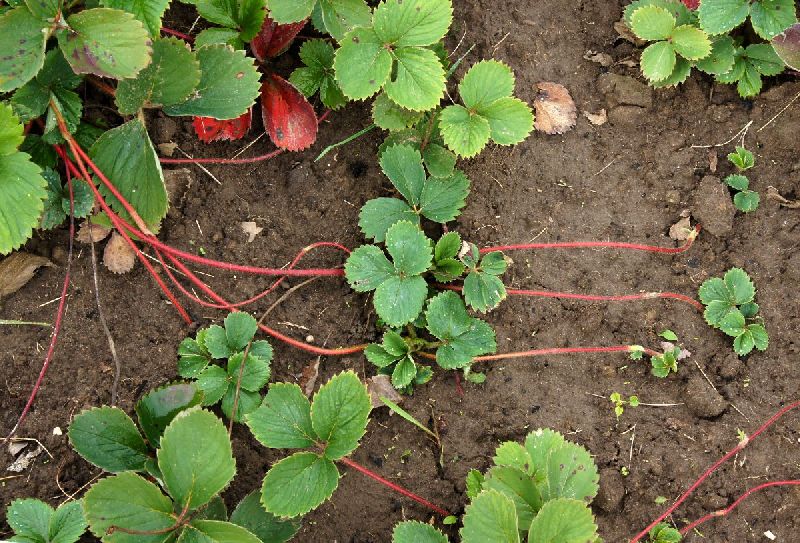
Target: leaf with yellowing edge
[(273, 38), (209, 129), (289, 118)]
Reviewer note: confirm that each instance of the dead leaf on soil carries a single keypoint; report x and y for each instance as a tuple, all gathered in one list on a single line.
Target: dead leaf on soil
[(251, 229), (93, 233), (555, 109), (381, 386), (680, 230), (713, 160), (167, 149), (626, 33), (603, 59), (775, 196), (17, 269), (24, 460), (598, 119), (308, 380), (118, 257)]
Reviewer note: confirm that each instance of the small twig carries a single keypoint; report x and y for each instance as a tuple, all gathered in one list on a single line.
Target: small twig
[(193, 161), (742, 132), (285, 296), (769, 122)]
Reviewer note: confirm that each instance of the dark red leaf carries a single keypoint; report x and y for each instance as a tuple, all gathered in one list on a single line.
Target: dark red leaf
[(209, 129), (289, 119), (273, 39), (691, 4), (787, 45)]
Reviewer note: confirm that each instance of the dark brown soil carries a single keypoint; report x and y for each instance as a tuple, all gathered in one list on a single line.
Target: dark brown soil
[(628, 179)]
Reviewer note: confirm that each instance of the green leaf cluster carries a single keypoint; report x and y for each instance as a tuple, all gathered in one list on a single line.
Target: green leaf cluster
[(744, 199), (332, 425), (33, 521), (683, 39), (664, 533), (240, 21), (417, 130), (489, 111), (22, 187), (317, 75), (57, 205), (537, 492), (335, 17), (620, 402), (730, 307), (219, 384), (393, 52), (483, 289)]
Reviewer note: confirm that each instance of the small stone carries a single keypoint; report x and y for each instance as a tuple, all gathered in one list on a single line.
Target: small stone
[(611, 492), (625, 90), (702, 400), (713, 207), (57, 431), (309, 339)]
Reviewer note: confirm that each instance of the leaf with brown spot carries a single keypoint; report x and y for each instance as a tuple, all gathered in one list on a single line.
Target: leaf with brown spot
[(118, 257), (555, 109), (17, 269)]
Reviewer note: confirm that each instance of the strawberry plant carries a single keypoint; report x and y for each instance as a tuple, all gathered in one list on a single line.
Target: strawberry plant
[(619, 403), (240, 378), (744, 199), (730, 307), (537, 492), (33, 521), (690, 36)]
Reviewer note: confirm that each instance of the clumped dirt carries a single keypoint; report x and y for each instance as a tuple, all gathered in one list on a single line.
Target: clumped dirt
[(628, 179)]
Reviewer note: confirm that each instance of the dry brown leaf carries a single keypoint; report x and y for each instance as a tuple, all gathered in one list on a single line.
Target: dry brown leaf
[(93, 233), (381, 386), (713, 160), (118, 257), (167, 149), (597, 119), (603, 59), (626, 33), (17, 269), (775, 196), (251, 229), (680, 230), (555, 109), (308, 380)]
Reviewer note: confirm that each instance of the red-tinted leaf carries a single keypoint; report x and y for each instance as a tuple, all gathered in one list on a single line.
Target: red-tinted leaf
[(691, 4), (273, 39), (289, 119), (209, 129), (787, 45)]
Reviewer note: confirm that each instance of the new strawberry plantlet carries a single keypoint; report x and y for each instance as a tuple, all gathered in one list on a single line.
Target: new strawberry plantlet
[(619, 403), (537, 492), (744, 199), (220, 384), (730, 307), (34, 521), (685, 38)]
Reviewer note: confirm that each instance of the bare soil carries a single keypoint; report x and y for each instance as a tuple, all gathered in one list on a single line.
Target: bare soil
[(627, 180)]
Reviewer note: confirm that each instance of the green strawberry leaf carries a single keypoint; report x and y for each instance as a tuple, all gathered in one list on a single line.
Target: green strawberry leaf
[(23, 34), (367, 268), (402, 164), (218, 36), (317, 74), (513, 455), (742, 159), (739, 285), (733, 323), (418, 79), (658, 61), (518, 486), (664, 533), (247, 403), (463, 337), (249, 514), (299, 483), (561, 469), (149, 12), (229, 85), (737, 181), (399, 300), (169, 79), (721, 58), (465, 133), (563, 521), (213, 381), (439, 161), (746, 201), (379, 356), (744, 343), (760, 336), (678, 10), (388, 115), (67, 523), (379, 214), (194, 356), (105, 42), (722, 16), (216, 341), (485, 83), (474, 483), (447, 247), (442, 198), (290, 11), (284, 419), (30, 520), (652, 23), (492, 517), (157, 408), (362, 64), (108, 438), (411, 531), (764, 59), (404, 372), (216, 531), (339, 414), (406, 23), (341, 16), (255, 374), (240, 328), (749, 310), (194, 475), (131, 502), (483, 291), (690, 42), (771, 17), (510, 120)]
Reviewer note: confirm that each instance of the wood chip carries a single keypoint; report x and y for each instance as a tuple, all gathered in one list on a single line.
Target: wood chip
[(17, 269), (555, 109), (118, 257)]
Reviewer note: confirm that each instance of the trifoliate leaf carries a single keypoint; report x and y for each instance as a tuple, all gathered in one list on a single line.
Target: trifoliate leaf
[(771, 17), (733, 324), (388, 115), (379, 356), (108, 438), (404, 372), (30, 520), (367, 268), (658, 60), (746, 201), (229, 85), (439, 161), (213, 381), (284, 419), (339, 414), (130, 502), (490, 517), (299, 483), (680, 73), (519, 486), (157, 408), (402, 164), (105, 42), (362, 64), (442, 199), (465, 133), (405, 23), (563, 521), (483, 291), (394, 344), (318, 75), (652, 23), (194, 475), (379, 214), (22, 40), (743, 343), (149, 12), (739, 285), (410, 250), (494, 263), (722, 15), (341, 16), (721, 58), (411, 531), (418, 80), (125, 149), (249, 514), (690, 42), (399, 300), (216, 341), (168, 80), (67, 523), (463, 337), (737, 181)]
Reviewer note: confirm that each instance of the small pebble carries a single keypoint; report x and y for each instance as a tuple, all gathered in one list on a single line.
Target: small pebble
[(309, 339), (57, 431)]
